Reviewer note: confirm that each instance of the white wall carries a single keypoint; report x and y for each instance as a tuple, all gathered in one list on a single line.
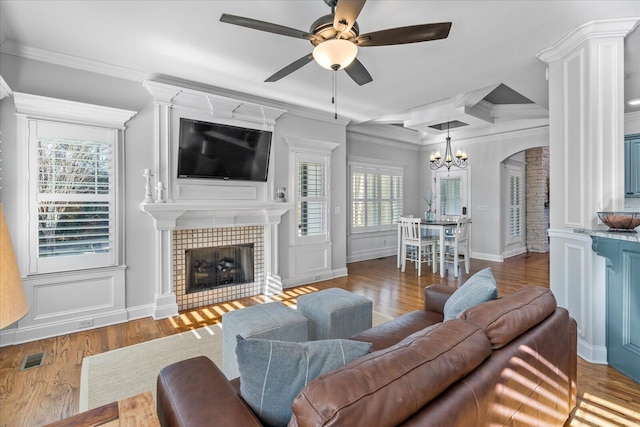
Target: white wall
[(394, 147)]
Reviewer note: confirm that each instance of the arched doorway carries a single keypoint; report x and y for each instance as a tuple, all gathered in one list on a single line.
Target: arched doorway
[(525, 202)]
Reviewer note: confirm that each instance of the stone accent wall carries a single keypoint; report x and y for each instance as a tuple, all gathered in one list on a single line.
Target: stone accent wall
[(537, 199), (211, 237)]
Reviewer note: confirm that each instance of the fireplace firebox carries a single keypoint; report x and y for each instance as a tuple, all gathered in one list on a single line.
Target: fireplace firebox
[(215, 267)]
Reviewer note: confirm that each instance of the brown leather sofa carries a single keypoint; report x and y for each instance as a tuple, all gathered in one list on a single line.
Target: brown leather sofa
[(507, 362)]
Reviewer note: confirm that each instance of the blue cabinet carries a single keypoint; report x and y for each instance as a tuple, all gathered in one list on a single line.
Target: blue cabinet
[(632, 165), (623, 303)]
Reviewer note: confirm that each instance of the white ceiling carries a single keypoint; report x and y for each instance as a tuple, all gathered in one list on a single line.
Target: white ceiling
[(490, 43)]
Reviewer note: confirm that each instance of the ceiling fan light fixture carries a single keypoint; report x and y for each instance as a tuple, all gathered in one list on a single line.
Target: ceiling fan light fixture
[(334, 52)]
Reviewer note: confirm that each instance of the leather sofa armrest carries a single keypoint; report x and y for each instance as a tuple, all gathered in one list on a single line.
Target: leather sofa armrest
[(435, 296), (195, 393)]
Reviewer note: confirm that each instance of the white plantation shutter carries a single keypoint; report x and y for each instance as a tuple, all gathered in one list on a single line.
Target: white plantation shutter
[(73, 197), (515, 206), (312, 199), (358, 198), (376, 197)]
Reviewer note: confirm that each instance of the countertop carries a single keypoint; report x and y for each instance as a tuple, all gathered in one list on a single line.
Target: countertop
[(618, 235)]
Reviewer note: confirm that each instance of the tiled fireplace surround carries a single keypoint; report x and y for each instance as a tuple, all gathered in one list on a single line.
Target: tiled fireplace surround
[(184, 240)]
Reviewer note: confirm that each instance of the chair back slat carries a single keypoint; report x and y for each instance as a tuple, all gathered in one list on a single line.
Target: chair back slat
[(410, 228)]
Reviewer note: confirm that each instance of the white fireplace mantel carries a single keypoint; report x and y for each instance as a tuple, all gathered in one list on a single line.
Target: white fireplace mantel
[(170, 216), (203, 204)]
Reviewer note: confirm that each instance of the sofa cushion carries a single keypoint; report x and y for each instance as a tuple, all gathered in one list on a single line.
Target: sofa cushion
[(512, 315), (272, 373), (479, 288), (386, 387), (397, 329)]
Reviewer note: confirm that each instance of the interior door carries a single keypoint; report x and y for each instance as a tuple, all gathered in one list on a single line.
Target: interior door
[(452, 190)]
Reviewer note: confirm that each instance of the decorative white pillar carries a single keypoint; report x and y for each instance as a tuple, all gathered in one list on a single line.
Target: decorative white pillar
[(586, 150)]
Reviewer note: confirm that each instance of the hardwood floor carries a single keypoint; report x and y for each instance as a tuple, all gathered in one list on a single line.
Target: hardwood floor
[(49, 393)]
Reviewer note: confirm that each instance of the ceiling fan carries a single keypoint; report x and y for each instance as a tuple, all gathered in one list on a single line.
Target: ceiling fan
[(336, 38)]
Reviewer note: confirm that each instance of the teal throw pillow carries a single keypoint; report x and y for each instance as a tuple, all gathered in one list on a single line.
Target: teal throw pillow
[(272, 373), (480, 287)]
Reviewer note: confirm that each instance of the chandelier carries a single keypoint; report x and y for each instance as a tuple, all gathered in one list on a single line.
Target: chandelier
[(437, 161)]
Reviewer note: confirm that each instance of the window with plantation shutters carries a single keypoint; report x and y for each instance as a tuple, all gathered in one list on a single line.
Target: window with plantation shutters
[(515, 208), (376, 197), (515, 203), (312, 199), (72, 197)]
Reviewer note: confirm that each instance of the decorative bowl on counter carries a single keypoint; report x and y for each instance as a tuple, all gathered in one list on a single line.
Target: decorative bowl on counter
[(620, 221)]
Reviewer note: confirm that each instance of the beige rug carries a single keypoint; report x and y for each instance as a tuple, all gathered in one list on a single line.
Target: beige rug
[(117, 374)]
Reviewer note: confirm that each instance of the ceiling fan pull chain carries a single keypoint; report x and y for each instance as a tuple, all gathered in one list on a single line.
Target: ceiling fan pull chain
[(334, 98)]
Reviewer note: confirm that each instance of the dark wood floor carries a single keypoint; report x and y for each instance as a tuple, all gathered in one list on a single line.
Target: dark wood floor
[(49, 393)]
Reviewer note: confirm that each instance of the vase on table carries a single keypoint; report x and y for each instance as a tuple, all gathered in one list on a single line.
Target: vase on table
[(430, 216)]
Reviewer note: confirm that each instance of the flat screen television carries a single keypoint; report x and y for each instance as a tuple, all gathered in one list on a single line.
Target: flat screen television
[(217, 151)]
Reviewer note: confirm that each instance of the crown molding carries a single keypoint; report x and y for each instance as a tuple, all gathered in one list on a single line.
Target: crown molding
[(591, 30), (506, 134), (12, 48), (35, 106), (5, 90), (310, 145)]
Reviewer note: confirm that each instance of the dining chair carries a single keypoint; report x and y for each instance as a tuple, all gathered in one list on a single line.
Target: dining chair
[(415, 247), (457, 245)]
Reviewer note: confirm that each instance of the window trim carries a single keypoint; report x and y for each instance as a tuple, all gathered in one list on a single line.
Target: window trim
[(33, 109), (317, 151), (373, 166), (515, 171)]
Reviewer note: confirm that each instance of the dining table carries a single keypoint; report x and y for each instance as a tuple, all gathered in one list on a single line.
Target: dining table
[(440, 226)]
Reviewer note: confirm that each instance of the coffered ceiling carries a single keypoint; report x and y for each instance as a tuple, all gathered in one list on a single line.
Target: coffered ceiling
[(483, 74)]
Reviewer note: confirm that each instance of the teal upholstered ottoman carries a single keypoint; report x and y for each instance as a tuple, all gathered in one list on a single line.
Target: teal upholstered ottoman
[(273, 321), (335, 313)]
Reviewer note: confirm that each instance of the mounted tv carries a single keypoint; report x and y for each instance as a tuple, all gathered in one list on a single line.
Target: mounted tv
[(217, 151)]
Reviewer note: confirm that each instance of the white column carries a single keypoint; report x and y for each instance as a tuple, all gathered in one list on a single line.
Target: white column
[(586, 151), (165, 304)]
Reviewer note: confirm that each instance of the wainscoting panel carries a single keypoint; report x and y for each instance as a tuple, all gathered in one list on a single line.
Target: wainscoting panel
[(71, 297), (577, 277), (61, 303), (310, 262)]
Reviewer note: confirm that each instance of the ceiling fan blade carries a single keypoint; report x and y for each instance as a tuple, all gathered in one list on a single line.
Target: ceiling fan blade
[(265, 26), (402, 35), (346, 13), (358, 73), (291, 68)]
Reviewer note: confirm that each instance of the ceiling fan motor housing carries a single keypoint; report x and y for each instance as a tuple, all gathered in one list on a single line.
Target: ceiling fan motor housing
[(323, 29)]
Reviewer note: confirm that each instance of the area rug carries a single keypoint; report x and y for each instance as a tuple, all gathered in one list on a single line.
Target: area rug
[(125, 372)]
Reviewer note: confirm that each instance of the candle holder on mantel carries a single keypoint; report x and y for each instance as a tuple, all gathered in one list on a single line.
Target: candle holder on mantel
[(148, 195)]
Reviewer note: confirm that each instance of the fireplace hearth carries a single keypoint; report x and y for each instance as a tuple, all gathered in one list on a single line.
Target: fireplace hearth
[(214, 267)]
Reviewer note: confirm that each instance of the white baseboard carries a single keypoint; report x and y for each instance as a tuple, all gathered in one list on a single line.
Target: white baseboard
[(53, 329), (140, 311), (514, 252), (305, 280), (591, 353), (373, 254), (165, 306), (487, 257)]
